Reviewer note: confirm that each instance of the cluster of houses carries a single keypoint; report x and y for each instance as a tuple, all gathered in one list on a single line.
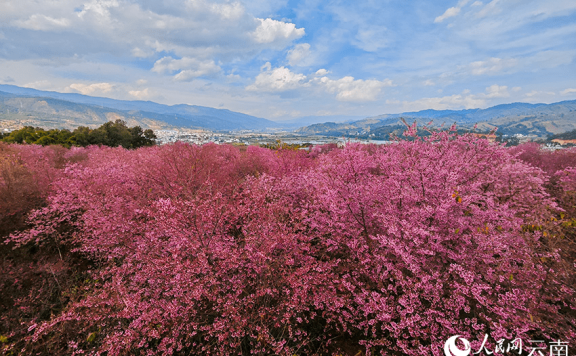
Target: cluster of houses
[(564, 142), (198, 137), (519, 138)]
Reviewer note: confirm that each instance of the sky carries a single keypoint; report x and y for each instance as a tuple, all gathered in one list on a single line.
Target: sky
[(284, 59)]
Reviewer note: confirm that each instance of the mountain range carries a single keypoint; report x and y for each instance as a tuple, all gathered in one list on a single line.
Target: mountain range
[(24, 106), (30, 107), (538, 120)]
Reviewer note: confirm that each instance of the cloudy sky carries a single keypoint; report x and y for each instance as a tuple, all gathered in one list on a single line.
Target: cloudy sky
[(282, 59)]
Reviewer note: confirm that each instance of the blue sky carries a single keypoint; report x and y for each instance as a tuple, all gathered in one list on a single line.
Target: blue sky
[(282, 59)]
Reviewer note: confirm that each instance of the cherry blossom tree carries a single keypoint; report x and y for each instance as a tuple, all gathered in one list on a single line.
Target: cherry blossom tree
[(364, 249)]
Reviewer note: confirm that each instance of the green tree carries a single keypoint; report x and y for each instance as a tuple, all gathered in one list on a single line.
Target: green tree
[(45, 140), (112, 134), (80, 136)]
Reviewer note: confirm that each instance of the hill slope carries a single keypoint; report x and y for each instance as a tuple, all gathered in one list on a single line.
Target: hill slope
[(20, 106)]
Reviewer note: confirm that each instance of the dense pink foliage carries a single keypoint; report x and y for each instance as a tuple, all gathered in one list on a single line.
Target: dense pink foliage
[(560, 165), (379, 249), (550, 161), (32, 280), (25, 176)]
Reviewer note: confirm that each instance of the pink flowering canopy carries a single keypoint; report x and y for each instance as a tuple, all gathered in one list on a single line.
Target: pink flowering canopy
[(373, 249)]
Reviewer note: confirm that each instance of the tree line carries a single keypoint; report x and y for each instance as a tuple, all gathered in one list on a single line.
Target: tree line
[(111, 134)]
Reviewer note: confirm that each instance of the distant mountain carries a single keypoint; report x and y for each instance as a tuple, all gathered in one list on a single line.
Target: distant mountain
[(24, 106), (17, 111), (20, 106), (310, 120), (539, 120)]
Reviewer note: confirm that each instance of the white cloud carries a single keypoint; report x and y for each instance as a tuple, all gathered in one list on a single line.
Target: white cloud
[(451, 12), (277, 80), (549, 59), (297, 54), (371, 38), (536, 96), (490, 9), (140, 94), (541, 39), (204, 29), (493, 24), (497, 91), (39, 22), (346, 88), (270, 31), (142, 53), (498, 66), (358, 23), (231, 78), (227, 11), (492, 66), (188, 68), (39, 84), (464, 100), (349, 89), (98, 7), (90, 89), (266, 66), (456, 101), (227, 37), (568, 91), (191, 74)]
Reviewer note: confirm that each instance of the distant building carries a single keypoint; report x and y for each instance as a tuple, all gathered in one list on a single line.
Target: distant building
[(564, 142), (489, 137)]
